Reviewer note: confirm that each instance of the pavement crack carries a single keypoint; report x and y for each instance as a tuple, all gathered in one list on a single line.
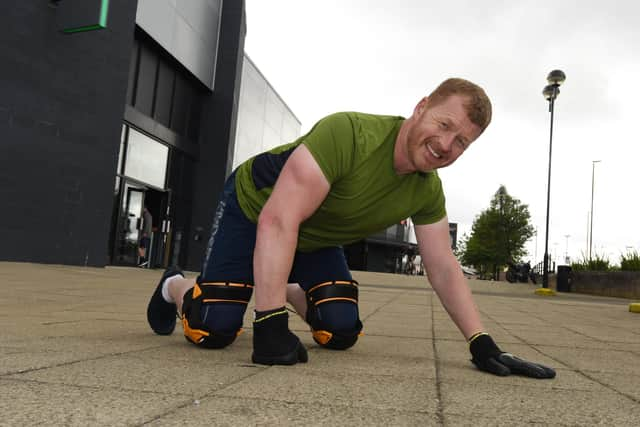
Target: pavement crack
[(579, 371), (61, 322), (335, 404), (622, 393), (201, 398), (95, 387), (440, 407), (73, 362), (382, 306)]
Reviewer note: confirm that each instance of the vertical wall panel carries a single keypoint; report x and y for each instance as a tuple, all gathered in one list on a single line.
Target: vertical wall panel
[(146, 82), (180, 107), (133, 73), (164, 93)]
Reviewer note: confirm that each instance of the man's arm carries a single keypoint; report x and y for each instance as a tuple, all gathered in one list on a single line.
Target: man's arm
[(298, 192), (446, 278), (450, 284)]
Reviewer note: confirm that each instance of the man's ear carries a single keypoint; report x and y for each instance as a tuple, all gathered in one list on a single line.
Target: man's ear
[(421, 106)]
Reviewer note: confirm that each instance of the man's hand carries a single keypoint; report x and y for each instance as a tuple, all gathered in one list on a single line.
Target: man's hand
[(488, 357)]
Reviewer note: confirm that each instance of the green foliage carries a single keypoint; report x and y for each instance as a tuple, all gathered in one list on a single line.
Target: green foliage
[(498, 235), (578, 266), (596, 263), (630, 261), (461, 246)]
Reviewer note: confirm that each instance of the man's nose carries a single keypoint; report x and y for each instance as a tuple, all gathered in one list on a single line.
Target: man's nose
[(447, 142)]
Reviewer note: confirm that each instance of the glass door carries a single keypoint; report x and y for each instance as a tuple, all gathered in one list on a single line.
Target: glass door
[(130, 225)]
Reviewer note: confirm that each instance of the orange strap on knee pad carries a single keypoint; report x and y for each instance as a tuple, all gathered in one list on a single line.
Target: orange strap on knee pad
[(329, 292), (337, 290)]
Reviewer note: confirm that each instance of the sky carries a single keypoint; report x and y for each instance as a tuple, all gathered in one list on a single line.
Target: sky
[(382, 57)]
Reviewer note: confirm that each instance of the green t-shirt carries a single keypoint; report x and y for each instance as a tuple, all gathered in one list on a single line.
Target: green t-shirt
[(355, 153)]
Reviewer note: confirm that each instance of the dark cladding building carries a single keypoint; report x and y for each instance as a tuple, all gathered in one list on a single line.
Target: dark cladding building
[(97, 124)]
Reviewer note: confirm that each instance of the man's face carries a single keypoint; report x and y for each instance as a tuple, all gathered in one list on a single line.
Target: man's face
[(439, 134)]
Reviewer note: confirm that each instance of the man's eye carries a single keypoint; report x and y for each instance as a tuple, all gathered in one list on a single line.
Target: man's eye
[(461, 144), (443, 125)]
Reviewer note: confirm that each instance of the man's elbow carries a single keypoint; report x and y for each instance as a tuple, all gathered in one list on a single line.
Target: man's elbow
[(444, 271), (269, 220)]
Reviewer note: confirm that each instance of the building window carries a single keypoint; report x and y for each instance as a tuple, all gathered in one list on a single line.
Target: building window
[(146, 159)]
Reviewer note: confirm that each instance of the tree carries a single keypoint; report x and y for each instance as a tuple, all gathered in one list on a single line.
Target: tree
[(498, 235)]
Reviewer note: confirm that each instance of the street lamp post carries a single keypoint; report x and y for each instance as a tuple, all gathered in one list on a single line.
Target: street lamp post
[(535, 257), (550, 92), (593, 169)]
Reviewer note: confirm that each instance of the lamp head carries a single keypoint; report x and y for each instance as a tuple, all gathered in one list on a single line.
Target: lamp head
[(556, 77), (550, 92)]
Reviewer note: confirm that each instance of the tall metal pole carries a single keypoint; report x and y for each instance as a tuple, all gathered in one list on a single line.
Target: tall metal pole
[(545, 275), (588, 221), (535, 257), (593, 168), (550, 92)]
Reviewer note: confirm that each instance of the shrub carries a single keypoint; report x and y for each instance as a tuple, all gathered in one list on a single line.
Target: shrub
[(578, 266), (596, 263), (630, 261)]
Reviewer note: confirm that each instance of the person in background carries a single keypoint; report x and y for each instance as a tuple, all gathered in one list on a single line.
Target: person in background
[(145, 239)]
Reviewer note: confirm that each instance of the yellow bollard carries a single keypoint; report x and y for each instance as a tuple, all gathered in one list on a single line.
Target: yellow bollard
[(545, 292)]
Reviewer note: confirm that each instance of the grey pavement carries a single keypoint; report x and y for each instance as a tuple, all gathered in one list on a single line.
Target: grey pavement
[(76, 349)]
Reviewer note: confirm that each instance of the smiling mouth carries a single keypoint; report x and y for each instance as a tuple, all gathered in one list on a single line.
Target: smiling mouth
[(436, 155)]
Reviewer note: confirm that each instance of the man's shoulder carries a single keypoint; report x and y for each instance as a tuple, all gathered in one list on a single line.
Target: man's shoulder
[(373, 130), (370, 120), (358, 123)]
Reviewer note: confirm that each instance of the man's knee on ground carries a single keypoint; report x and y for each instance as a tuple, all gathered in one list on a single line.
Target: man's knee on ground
[(332, 313), (212, 312)]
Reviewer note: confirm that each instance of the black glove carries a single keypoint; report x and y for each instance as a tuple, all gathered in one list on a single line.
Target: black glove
[(488, 357)]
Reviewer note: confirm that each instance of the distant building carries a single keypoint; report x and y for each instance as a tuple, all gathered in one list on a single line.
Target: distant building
[(453, 235), (390, 251), (264, 119)]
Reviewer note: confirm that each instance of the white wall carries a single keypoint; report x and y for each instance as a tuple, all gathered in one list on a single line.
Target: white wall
[(264, 120)]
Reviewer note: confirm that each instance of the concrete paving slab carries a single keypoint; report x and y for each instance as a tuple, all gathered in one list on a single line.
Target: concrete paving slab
[(625, 384), (33, 353), (368, 390), (601, 406), (394, 311), (595, 360), (410, 328), (86, 356), (497, 420), (394, 346), (604, 333), (30, 403), (135, 373), (354, 362), (228, 411), (625, 346)]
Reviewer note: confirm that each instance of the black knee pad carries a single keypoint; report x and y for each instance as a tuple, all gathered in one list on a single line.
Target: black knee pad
[(210, 293), (327, 305)]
